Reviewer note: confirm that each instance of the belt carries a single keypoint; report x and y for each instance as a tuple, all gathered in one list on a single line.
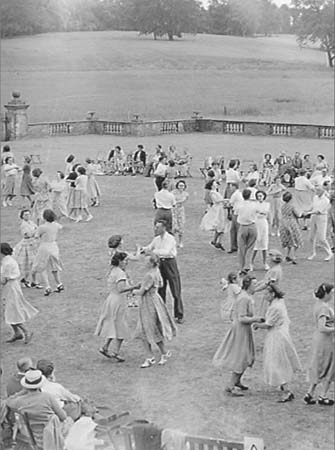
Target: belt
[(165, 209)]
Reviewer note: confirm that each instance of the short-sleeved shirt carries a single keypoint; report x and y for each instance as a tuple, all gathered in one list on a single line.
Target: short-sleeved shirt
[(246, 212), (48, 231)]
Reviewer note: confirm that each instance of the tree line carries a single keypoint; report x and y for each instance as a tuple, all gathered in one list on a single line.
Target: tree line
[(310, 20)]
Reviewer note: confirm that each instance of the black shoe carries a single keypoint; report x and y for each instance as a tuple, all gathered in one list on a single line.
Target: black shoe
[(47, 292), (59, 288), (242, 386), (309, 399), (325, 401), (36, 285), (16, 337), (288, 398), (231, 251)]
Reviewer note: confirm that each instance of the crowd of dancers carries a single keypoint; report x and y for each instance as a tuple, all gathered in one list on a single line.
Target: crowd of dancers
[(242, 208)]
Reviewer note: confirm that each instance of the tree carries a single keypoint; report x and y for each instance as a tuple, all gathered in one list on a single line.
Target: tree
[(315, 23), (160, 17)]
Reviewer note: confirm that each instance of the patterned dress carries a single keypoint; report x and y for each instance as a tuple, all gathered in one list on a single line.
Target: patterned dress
[(281, 360), (154, 323), (42, 197), (290, 234), (112, 323), (322, 366), (93, 188), (25, 251), (178, 212)]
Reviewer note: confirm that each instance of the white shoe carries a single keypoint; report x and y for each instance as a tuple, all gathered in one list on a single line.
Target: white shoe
[(148, 363), (90, 217), (165, 357), (310, 258), (181, 245), (251, 267), (329, 257), (78, 219), (4, 204)]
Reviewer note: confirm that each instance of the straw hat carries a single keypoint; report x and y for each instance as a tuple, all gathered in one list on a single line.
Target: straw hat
[(33, 379)]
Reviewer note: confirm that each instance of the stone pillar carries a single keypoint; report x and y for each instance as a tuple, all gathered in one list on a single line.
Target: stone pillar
[(17, 118)]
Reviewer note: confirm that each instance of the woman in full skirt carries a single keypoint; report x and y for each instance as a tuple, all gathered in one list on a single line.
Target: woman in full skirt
[(112, 324), (237, 350), (25, 250), (281, 360), (17, 309), (155, 324), (322, 366)]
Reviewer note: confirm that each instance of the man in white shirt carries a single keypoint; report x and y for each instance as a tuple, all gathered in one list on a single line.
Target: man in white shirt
[(164, 245), (232, 176), (319, 221), (247, 233), (160, 172), (235, 199), (164, 202)]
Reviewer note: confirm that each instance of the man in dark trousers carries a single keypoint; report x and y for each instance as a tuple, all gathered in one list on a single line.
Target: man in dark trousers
[(139, 159), (164, 245)]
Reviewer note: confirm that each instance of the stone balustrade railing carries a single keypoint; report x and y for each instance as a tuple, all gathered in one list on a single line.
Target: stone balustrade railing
[(153, 128)]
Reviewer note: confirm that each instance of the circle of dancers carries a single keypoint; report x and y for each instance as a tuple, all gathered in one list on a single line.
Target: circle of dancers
[(283, 199)]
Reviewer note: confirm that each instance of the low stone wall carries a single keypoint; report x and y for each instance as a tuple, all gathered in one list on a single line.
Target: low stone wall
[(154, 128)]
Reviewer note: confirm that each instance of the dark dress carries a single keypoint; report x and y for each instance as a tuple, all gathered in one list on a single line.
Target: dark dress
[(290, 234), (26, 187)]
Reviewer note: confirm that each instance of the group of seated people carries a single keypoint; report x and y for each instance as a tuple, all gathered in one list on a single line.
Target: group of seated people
[(55, 415), (286, 167), (141, 162)]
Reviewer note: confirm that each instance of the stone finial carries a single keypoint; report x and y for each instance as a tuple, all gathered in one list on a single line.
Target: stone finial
[(90, 115), (16, 94)]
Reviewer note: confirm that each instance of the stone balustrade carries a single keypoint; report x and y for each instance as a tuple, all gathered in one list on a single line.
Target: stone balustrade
[(15, 126)]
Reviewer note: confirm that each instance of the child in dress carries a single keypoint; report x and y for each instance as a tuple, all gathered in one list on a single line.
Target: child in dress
[(17, 309), (281, 360), (322, 365), (232, 288)]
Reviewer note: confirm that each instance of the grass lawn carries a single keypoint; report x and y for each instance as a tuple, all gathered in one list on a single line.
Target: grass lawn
[(187, 393), (118, 74)]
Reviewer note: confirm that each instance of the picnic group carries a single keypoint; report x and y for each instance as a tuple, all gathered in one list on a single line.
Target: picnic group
[(289, 199)]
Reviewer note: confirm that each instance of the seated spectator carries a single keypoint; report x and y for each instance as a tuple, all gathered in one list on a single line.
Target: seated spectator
[(66, 400), (172, 154), (14, 382), (139, 160), (40, 407)]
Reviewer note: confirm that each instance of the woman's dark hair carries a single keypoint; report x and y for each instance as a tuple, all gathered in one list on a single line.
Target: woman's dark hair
[(232, 163), (305, 156), (161, 158), (232, 276), (36, 172), (322, 290), (117, 147), (321, 156), (22, 212), (274, 289), (261, 192), (6, 148), (209, 184), (61, 175), (172, 163), (287, 196), (246, 193), (267, 156), (6, 249), (246, 282), (49, 215), (81, 170), (181, 182), (252, 182), (114, 241), (74, 168), (211, 173), (7, 159), (70, 158), (117, 258)]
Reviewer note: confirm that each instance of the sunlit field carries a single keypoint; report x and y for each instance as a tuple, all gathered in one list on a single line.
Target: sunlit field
[(188, 392), (119, 74)]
